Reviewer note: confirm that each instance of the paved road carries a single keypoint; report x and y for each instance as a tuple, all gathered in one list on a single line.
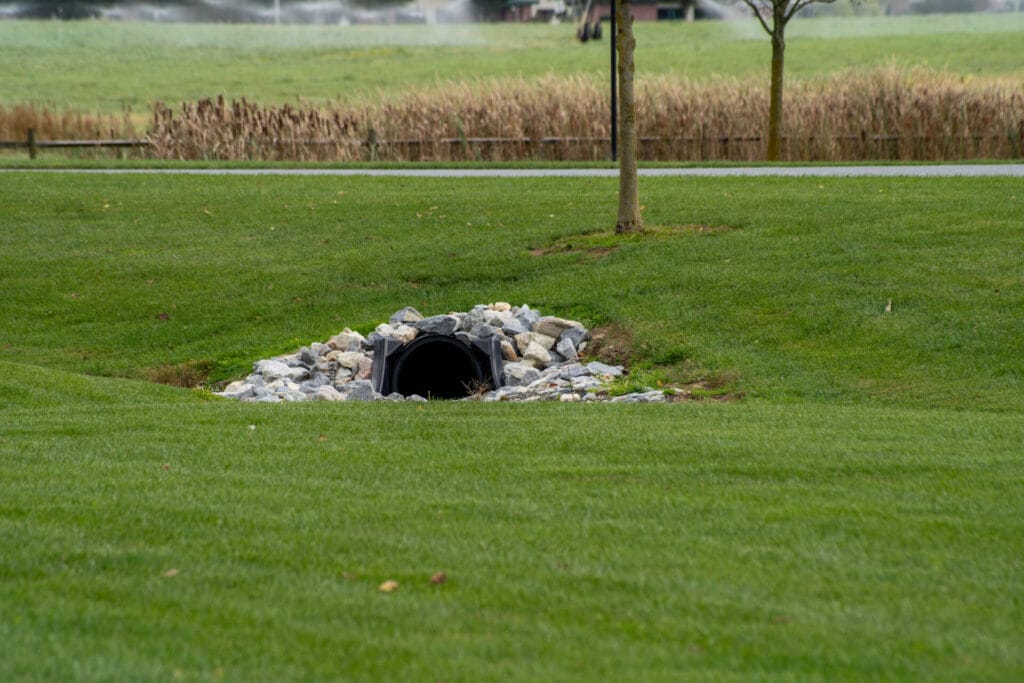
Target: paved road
[(942, 171)]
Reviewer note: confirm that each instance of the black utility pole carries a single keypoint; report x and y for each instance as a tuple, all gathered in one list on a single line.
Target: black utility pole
[(615, 90)]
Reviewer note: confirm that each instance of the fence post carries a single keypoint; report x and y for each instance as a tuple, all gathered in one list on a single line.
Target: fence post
[(32, 143)]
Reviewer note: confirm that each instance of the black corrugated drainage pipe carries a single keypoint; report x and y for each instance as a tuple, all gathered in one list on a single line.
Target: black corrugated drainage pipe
[(436, 366)]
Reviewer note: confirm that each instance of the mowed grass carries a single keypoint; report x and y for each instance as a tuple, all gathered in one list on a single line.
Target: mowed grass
[(780, 282), (104, 66), (857, 514)]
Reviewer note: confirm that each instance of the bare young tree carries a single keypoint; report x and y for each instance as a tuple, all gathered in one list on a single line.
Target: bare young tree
[(629, 219), (773, 16)]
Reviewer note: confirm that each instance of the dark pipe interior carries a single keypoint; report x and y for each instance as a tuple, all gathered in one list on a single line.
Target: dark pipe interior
[(438, 367)]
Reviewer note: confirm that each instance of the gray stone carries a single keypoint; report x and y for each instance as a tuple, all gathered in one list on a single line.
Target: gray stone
[(394, 396), (644, 397), (585, 382), (526, 316), (473, 318), (498, 318), (307, 357), (268, 398), (574, 335), (358, 390), (415, 397), (601, 369), (570, 370), (567, 349), (293, 396), (517, 374), (406, 315), (556, 359), (298, 373), (438, 324), (482, 331), (514, 327)]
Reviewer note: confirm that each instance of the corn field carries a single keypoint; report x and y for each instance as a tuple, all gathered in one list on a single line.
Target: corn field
[(882, 114)]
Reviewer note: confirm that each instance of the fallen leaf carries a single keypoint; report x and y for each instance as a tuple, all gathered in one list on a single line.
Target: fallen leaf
[(167, 465), (438, 578), (388, 587), (322, 438), (164, 316), (781, 619), (888, 306), (171, 573)]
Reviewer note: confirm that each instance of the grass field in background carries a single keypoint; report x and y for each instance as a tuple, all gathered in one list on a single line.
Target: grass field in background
[(857, 514), (103, 66)]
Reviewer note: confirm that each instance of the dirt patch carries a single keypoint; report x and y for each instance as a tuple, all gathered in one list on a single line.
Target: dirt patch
[(189, 375), (596, 245), (612, 344), (697, 229), (590, 253)]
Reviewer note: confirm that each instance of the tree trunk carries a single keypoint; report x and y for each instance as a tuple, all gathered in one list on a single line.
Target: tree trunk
[(629, 199), (775, 98)]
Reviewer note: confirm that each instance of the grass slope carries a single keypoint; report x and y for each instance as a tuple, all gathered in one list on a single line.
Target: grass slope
[(115, 275), (100, 66), (858, 517)]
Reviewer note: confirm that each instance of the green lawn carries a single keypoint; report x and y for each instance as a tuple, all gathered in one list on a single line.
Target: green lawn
[(103, 66), (855, 515)]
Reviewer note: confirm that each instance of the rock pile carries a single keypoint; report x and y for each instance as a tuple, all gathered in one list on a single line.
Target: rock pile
[(541, 354)]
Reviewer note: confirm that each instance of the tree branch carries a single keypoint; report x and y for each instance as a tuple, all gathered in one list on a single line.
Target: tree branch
[(799, 5), (757, 13)]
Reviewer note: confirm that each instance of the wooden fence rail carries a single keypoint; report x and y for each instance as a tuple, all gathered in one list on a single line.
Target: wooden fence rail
[(33, 145), (701, 145)]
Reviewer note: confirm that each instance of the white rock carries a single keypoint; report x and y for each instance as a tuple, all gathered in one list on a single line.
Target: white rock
[(554, 327), (346, 340), (568, 398), (348, 359), (406, 333), (524, 339), (237, 390), (536, 354), (328, 393), (272, 369)]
